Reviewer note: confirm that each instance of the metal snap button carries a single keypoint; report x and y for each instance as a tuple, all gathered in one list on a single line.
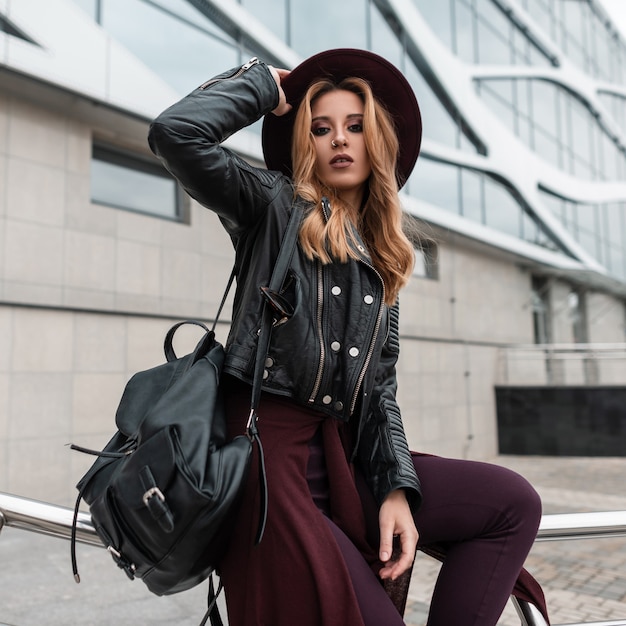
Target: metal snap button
[(269, 362), (336, 290), (339, 406), (353, 351), (327, 399), (335, 346), (368, 299)]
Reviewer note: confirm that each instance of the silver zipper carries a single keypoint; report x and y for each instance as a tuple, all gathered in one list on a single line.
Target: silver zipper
[(244, 68), (368, 358), (320, 304)]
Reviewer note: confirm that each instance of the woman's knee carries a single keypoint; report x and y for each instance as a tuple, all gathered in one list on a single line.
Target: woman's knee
[(523, 502)]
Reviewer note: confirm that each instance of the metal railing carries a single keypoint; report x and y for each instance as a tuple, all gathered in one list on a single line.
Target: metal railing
[(56, 521), (567, 526), (569, 364)]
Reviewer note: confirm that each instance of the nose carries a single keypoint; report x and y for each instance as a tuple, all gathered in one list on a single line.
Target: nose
[(339, 139)]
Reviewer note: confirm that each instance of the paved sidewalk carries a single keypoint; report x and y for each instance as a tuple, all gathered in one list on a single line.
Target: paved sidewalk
[(584, 580)]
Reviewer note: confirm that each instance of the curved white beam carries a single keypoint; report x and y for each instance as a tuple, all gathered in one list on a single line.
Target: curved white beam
[(507, 156)]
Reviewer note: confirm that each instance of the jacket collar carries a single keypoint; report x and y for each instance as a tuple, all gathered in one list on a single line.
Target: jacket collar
[(355, 241)]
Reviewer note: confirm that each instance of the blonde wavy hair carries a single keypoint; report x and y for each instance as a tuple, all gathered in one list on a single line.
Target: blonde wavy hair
[(380, 220)]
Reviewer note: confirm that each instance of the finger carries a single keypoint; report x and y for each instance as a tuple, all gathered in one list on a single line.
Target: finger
[(282, 108), (386, 541), (393, 569), (282, 73), (407, 557)]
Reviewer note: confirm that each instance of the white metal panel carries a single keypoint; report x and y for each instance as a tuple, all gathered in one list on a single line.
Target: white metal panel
[(78, 55)]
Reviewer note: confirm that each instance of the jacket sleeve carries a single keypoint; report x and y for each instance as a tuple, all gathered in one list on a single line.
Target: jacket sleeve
[(383, 451), (187, 138)]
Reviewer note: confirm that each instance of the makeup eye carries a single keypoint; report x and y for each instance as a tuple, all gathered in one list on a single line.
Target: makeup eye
[(355, 128), (320, 131)]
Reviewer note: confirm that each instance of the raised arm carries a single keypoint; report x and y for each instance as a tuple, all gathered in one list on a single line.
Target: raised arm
[(187, 138)]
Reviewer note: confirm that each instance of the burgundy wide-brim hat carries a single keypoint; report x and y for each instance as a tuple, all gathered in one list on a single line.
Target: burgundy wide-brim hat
[(388, 84)]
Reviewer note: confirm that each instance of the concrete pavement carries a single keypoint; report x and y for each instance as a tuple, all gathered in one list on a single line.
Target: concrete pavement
[(584, 580)]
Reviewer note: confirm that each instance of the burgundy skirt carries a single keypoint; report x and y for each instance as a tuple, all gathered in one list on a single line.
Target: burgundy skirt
[(298, 573)]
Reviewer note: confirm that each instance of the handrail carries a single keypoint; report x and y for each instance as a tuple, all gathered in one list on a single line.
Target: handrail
[(563, 526), (566, 347), (56, 521), (46, 519)]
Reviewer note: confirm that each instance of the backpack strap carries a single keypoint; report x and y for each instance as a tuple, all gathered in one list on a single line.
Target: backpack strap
[(283, 261)]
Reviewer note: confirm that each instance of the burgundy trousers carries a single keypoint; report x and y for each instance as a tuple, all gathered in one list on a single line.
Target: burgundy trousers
[(482, 518)]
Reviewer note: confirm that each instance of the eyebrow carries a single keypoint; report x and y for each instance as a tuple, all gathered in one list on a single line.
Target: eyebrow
[(326, 117)]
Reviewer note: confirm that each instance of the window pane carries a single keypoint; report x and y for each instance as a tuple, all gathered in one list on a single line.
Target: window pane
[(498, 96), (609, 157), (615, 223), (426, 261), (502, 211), (580, 121), (544, 105), (617, 262), (523, 95), (589, 241), (533, 232), (472, 198), (464, 32), (535, 57), (542, 14), (494, 31), (587, 217), (436, 183), (438, 16), (573, 20), (271, 13), (616, 106), (384, 41), (119, 185), (603, 53), (317, 26), (437, 123), (195, 48)]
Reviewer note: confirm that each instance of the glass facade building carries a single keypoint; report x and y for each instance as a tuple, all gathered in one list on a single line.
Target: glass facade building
[(520, 190), (551, 74)]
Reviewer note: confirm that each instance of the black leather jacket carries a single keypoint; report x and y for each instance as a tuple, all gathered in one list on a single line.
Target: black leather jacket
[(337, 353)]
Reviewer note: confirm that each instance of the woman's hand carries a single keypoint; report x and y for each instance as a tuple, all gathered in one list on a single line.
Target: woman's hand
[(283, 107), (395, 519)]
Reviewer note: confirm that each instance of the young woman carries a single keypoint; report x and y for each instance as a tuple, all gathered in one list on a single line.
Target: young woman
[(341, 135)]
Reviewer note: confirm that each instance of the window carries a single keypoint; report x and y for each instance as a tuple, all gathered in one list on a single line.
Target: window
[(196, 47), (599, 228), (480, 31), (481, 198), (311, 29), (540, 305), (577, 309), (426, 260), (124, 180), (558, 126)]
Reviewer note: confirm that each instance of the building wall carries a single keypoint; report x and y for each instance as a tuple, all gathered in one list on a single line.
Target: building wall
[(451, 333), (62, 250), (87, 293), (63, 370), (606, 322), (606, 318)]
